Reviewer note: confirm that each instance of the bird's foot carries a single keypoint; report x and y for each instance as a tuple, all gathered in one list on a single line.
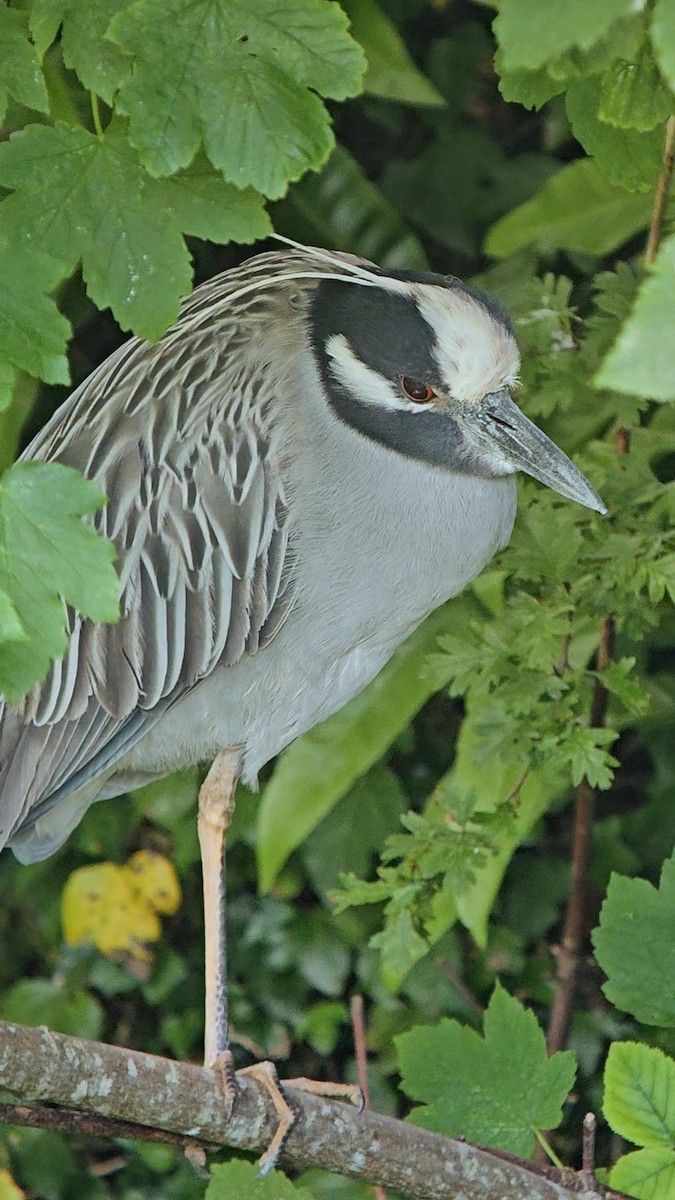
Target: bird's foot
[(265, 1073)]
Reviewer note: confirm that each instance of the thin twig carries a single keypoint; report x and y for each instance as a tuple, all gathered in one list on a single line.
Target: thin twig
[(575, 925), (588, 1148), (359, 1031), (662, 189)]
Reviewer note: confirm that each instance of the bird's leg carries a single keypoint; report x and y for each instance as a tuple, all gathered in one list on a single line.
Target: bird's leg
[(216, 806)]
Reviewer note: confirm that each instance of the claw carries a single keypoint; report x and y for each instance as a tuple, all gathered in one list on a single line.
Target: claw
[(266, 1074), (223, 1065)]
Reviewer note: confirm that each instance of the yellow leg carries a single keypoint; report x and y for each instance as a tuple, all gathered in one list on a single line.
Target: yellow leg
[(216, 805)]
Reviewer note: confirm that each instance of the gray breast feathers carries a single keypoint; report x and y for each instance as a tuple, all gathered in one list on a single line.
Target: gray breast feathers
[(180, 438)]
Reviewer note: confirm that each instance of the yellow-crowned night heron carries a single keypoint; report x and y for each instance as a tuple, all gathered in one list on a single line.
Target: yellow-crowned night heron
[(313, 458)]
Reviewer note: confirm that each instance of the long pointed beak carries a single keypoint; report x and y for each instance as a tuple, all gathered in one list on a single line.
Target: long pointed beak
[(526, 448)]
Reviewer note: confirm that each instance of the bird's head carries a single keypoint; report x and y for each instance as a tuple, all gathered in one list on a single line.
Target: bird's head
[(426, 366)]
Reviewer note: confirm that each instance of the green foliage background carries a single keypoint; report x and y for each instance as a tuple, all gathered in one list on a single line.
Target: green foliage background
[(416, 847)]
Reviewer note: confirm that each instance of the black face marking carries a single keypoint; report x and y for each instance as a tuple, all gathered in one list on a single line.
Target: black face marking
[(388, 333), (385, 331)]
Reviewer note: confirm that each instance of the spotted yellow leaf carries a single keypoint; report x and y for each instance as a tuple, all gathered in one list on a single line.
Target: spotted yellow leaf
[(115, 908)]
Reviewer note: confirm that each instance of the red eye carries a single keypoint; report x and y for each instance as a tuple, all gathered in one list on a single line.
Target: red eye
[(419, 393)]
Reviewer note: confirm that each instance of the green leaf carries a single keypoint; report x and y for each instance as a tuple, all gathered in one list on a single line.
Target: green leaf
[(46, 1002), (639, 1099), (340, 207), (493, 780), (642, 361), (624, 155), (532, 89), (618, 679), (11, 629), (578, 209), (7, 382), (489, 184), (48, 555), (99, 64), (645, 1174), (584, 749), (401, 947), (89, 197), (236, 76), (33, 334), (20, 74), (635, 947), (495, 1090), (238, 1180), (663, 38), (46, 1164), (391, 72), (633, 94), (317, 769), (354, 830), (531, 33)]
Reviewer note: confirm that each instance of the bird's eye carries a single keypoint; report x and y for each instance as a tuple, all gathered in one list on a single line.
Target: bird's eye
[(419, 393)]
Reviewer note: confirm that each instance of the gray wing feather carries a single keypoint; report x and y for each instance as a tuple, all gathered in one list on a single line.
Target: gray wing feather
[(197, 512)]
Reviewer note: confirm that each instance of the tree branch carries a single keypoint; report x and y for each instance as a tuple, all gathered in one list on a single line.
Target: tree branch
[(124, 1093)]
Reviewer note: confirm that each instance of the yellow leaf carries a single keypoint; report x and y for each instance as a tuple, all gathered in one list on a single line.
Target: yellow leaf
[(115, 908), (8, 1189)]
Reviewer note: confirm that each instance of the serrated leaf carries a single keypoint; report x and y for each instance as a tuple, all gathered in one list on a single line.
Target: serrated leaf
[(33, 333), (639, 1099), (585, 750), (48, 555), (495, 1090), (340, 207), (11, 629), (645, 1174), (320, 767), (237, 77), (635, 947), (391, 72), (100, 65), (493, 781), (241, 1181), (530, 33), (401, 947), (642, 361), (532, 89), (624, 156), (89, 197), (663, 38), (578, 209), (617, 679), (20, 73), (53, 1003)]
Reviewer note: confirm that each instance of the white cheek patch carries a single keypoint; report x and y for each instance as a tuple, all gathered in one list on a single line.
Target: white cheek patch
[(361, 380), (475, 353)]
